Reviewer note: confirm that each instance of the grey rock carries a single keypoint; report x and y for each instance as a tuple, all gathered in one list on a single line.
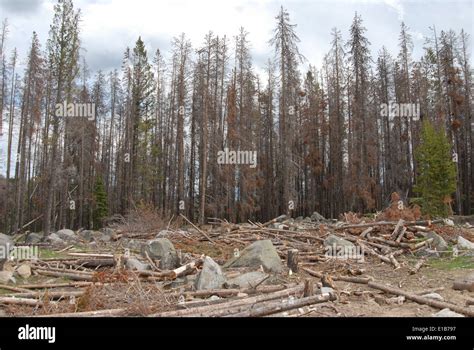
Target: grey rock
[(326, 290), (33, 238), (54, 239), (259, 253), (67, 235), (447, 313), (333, 240), (6, 245), (465, 244), (427, 253), (86, 235), (438, 242), (317, 217), (162, 249), (6, 276), (107, 231), (133, 244), (247, 280), (434, 296), (211, 276), (101, 237), (135, 264), (24, 271)]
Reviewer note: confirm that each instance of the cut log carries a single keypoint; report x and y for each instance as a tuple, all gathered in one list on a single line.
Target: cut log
[(14, 289), (23, 301), (398, 229), (308, 288), (59, 285), (272, 308), (231, 306), (292, 260), (417, 266), (197, 228), (188, 268), (69, 275), (422, 300), (360, 280), (389, 223), (98, 313), (50, 294)]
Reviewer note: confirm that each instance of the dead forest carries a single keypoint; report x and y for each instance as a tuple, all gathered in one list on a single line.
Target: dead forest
[(190, 183)]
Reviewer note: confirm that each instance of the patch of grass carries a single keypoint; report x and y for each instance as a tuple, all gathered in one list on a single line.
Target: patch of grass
[(49, 254), (461, 262)]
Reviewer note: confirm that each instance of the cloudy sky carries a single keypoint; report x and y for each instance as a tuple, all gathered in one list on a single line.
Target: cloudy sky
[(108, 26)]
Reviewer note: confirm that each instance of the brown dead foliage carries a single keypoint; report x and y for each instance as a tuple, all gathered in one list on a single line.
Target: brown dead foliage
[(398, 210)]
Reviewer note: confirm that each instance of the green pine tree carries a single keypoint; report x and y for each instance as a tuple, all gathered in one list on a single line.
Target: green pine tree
[(436, 179), (101, 209)]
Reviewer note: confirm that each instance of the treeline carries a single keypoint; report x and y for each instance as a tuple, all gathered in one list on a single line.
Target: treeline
[(159, 123)]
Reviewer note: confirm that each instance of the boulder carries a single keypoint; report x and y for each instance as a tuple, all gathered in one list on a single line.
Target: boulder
[(135, 264), (465, 244), (333, 240), (67, 235), (101, 237), (465, 283), (447, 313), (86, 235), (429, 253), (133, 244), (6, 245), (260, 253), (316, 217), (24, 271), (108, 231), (211, 276), (162, 249), (33, 238), (247, 280), (6, 276), (54, 239), (326, 291), (438, 242)]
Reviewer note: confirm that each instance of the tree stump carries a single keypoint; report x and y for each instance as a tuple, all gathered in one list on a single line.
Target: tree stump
[(292, 260)]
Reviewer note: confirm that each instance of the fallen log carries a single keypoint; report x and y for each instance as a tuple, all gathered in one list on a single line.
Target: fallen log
[(422, 300), (226, 293), (398, 229), (417, 266), (98, 313), (188, 268), (59, 285), (197, 228), (361, 280), (49, 294), (388, 223), (23, 301), (229, 307), (271, 308), (92, 263), (14, 289), (70, 275)]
